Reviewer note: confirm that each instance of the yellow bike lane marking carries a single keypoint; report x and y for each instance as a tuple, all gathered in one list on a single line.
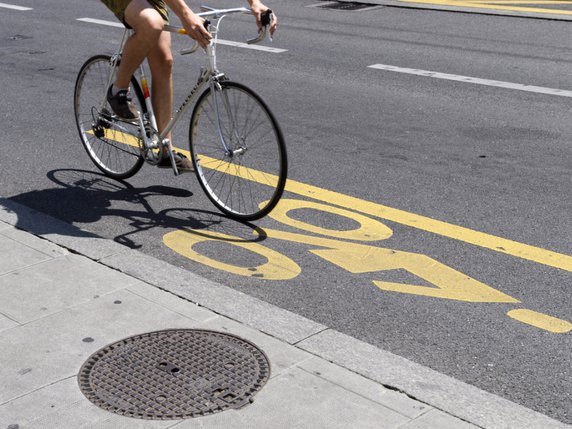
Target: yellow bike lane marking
[(447, 283), (488, 241), (506, 5), (481, 239)]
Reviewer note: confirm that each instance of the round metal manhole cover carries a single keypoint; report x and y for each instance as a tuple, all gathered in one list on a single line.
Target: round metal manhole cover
[(174, 374)]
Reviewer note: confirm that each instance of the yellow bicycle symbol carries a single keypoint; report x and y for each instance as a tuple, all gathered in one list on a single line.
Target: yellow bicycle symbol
[(340, 248)]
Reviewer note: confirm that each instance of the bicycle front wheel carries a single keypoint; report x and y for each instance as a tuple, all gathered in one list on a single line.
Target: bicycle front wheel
[(112, 144), (238, 151)]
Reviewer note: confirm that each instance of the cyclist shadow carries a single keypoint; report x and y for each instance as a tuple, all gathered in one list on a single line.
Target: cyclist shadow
[(85, 197)]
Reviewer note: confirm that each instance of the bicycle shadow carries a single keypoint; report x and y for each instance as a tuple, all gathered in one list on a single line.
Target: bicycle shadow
[(87, 197)]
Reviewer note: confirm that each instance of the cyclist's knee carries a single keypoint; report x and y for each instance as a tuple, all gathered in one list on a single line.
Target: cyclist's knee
[(161, 63), (161, 56), (145, 20)]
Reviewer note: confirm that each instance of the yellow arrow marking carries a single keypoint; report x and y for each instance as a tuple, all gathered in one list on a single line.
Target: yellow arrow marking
[(359, 258)]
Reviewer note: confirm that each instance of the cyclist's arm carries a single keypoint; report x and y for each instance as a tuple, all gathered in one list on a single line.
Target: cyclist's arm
[(192, 23), (257, 8)]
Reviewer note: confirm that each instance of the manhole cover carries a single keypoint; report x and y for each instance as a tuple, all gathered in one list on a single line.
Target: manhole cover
[(174, 374), (345, 5)]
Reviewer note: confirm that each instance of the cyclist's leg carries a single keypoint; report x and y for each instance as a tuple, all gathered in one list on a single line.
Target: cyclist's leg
[(147, 24), (160, 60)]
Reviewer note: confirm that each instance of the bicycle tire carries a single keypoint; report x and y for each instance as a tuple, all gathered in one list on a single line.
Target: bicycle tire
[(110, 143), (246, 181)]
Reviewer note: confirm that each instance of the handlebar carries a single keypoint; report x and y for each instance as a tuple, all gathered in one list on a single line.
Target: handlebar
[(208, 12)]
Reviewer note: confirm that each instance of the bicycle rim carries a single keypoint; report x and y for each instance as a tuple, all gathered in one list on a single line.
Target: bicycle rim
[(245, 179), (112, 144)]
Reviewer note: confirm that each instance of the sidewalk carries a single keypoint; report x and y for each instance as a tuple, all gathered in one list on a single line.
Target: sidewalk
[(65, 294)]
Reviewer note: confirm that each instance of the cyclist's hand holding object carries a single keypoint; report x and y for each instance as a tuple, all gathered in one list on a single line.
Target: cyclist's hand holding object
[(191, 22), (194, 25), (257, 10)]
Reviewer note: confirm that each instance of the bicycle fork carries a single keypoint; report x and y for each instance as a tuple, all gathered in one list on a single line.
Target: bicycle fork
[(217, 88)]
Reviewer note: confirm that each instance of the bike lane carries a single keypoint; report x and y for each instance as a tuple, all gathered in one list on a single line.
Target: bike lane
[(338, 247)]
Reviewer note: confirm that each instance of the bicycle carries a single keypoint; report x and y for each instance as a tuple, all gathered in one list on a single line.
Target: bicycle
[(236, 145)]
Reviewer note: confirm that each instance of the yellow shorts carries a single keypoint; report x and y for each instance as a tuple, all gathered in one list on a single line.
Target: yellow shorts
[(118, 8)]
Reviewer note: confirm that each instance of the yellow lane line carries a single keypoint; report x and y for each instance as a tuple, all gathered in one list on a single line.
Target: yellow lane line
[(455, 232), (533, 2), (542, 321), (489, 6)]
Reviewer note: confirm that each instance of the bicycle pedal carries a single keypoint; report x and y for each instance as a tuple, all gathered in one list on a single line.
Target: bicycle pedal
[(98, 131)]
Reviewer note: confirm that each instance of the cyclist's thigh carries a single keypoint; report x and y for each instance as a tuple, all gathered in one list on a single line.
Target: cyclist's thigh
[(145, 13)]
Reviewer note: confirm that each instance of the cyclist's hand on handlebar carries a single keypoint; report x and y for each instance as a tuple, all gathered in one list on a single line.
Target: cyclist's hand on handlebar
[(195, 27), (257, 10)]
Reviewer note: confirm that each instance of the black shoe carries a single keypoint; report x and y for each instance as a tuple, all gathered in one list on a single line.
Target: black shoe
[(121, 104), (184, 164)]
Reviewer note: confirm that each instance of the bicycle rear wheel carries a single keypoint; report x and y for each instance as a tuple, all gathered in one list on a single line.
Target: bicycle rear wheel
[(112, 144), (239, 154)]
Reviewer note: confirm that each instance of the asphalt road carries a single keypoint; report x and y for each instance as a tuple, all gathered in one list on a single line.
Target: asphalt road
[(409, 159)]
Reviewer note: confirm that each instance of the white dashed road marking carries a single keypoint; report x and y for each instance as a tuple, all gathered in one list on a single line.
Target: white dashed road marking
[(220, 41), (468, 79)]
